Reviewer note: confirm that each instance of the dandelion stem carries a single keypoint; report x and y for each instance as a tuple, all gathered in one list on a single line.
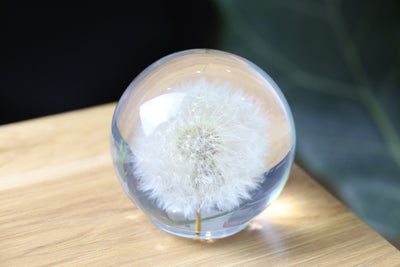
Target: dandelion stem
[(198, 222)]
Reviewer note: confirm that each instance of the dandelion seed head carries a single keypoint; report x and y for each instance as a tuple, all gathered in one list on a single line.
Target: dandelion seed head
[(209, 154), (198, 143)]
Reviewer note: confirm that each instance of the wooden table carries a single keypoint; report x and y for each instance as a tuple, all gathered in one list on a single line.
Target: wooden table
[(61, 204)]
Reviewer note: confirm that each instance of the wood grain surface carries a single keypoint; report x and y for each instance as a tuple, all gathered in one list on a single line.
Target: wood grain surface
[(61, 204)]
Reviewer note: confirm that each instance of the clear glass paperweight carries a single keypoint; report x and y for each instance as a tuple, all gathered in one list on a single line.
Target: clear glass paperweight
[(202, 141)]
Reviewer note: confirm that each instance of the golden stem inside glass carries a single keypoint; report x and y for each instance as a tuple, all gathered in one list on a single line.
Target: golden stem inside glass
[(198, 223)]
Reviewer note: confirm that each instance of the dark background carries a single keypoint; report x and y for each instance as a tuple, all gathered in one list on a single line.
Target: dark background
[(64, 55)]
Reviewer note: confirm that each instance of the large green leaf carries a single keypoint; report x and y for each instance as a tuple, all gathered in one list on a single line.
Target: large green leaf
[(338, 64)]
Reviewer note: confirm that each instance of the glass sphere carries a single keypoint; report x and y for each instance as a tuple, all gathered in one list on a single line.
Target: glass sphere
[(202, 141)]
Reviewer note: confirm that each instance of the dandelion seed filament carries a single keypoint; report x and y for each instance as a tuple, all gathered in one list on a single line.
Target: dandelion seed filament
[(209, 154)]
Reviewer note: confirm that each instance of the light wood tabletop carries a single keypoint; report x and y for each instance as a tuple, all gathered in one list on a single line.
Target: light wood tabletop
[(61, 204)]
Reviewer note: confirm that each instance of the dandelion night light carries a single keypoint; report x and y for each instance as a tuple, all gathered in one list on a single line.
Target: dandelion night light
[(202, 141)]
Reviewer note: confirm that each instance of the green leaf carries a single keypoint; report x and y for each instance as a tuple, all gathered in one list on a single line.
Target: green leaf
[(338, 64)]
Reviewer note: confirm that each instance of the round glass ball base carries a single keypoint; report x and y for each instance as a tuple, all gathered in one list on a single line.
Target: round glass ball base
[(202, 128), (215, 234)]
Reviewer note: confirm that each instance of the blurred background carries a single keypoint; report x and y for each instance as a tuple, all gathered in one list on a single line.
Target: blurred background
[(337, 62)]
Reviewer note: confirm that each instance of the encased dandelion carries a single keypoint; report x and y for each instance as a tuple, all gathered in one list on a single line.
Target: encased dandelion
[(202, 141), (209, 154)]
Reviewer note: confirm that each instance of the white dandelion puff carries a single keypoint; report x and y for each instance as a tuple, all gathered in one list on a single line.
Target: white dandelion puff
[(205, 149)]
